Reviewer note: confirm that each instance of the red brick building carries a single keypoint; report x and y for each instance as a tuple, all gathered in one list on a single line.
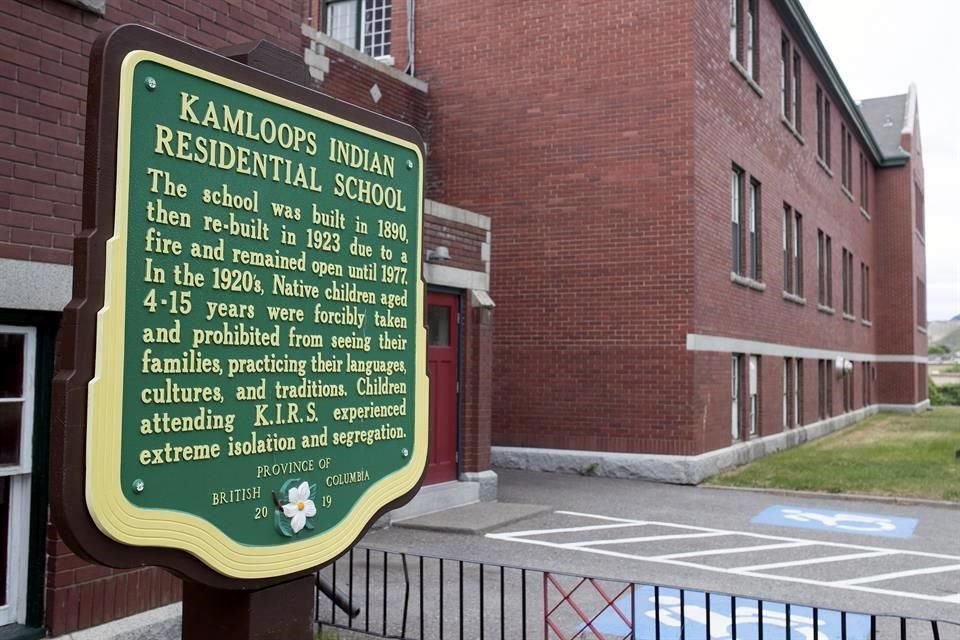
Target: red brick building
[(705, 249)]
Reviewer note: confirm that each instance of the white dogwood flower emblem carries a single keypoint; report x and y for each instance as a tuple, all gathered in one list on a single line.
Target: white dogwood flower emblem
[(299, 506)]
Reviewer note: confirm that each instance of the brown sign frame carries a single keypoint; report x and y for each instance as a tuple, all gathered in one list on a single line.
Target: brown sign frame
[(77, 343)]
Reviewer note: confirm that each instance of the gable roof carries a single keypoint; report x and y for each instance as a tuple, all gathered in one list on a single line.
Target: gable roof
[(885, 117)]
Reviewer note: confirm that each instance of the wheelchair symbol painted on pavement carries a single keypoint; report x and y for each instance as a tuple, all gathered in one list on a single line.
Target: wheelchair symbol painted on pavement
[(841, 521)]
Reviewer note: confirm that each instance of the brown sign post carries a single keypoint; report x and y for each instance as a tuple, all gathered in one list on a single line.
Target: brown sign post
[(241, 387)]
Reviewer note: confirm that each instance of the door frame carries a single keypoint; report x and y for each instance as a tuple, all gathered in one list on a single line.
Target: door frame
[(459, 294)]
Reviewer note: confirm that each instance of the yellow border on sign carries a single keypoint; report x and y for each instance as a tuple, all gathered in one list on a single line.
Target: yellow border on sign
[(129, 524)]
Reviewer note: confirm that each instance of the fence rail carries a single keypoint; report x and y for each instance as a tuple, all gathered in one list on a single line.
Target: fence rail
[(418, 597)]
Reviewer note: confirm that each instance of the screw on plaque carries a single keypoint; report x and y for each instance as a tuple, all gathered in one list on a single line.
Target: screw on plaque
[(151, 83), (404, 452), (409, 164), (138, 485)]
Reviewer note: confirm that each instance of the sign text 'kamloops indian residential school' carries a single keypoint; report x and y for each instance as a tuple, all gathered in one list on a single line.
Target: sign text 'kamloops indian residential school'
[(243, 386)]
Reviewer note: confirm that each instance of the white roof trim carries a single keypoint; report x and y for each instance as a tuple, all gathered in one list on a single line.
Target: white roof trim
[(910, 113)]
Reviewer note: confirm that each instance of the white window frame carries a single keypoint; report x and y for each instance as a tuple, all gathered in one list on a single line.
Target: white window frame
[(754, 389), (359, 10), (18, 520), (735, 382)]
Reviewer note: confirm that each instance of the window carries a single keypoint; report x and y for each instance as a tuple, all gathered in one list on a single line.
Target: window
[(918, 197), (753, 219), (824, 388), (867, 387), (744, 35), (754, 390), (921, 304), (864, 291), (792, 392), (361, 24), (735, 6), (824, 270), (785, 83), (736, 209), (847, 275), (846, 161), (798, 392), (753, 32), (792, 251), (736, 375), (864, 182), (823, 127), (790, 90), (848, 400), (796, 94), (17, 373)]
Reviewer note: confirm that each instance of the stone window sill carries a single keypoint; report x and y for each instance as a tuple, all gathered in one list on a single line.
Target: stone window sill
[(922, 330), (744, 281), (849, 318), (792, 129), (795, 299), (920, 237), (98, 7), (825, 167), (847, 193), (864, 213), (822, 308), (866, 323), (746, 76)]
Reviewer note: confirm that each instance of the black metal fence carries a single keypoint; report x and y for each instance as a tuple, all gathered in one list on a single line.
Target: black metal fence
[(403, 595)]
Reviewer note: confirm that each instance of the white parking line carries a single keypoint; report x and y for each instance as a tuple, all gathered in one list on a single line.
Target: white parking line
[(720, 552), (899, 574), (777, 542), (800, 563), (677, 536)]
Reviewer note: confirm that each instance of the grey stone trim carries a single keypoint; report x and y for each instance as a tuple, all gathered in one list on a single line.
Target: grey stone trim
[(157, 624), (906, 408), (455, 214), (441, 275), (745, 281), (436, 497), (37, 286), (323, 40), (701, 342), (487, 480), (98, 7), (668, 468)]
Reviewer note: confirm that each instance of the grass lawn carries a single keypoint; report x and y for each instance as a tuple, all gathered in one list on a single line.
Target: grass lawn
[(888, 455)]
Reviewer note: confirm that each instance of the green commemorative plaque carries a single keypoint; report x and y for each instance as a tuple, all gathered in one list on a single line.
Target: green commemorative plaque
[(252, 306)]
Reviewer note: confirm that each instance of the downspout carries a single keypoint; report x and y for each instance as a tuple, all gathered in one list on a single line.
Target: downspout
[(411, 40)]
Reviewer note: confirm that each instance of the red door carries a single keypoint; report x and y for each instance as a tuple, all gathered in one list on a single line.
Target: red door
[(442, 340)]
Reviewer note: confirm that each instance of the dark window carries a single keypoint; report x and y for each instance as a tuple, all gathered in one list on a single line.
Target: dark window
[(864, 291), (918, 203), (792, 251), (754, 220), (797, 93), (736, 215), (785, 82)]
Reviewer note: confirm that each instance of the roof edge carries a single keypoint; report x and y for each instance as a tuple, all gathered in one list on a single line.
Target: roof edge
[(801, 23), (910, 113)]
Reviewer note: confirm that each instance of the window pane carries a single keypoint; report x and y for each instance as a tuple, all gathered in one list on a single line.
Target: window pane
[(342, 22), (10, 416), (438, 325), (11, 371)]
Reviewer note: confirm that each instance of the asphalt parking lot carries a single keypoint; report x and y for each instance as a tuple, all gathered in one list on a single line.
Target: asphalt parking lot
[(820, 554)]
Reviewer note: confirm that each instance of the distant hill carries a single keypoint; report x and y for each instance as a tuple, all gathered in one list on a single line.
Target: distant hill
[(945, 333), (955, 318)]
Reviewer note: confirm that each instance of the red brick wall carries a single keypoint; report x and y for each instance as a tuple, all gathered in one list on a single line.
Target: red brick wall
[(44, 45), (735, 125), (569, 126), (44, 49), (81, 595), (351, 81)]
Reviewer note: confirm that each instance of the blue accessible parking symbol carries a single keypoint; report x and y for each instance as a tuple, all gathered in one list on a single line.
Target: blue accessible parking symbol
[(669, 614), (840, 521)]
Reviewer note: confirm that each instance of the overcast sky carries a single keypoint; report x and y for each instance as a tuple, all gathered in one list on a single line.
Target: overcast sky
[(880, 47)]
